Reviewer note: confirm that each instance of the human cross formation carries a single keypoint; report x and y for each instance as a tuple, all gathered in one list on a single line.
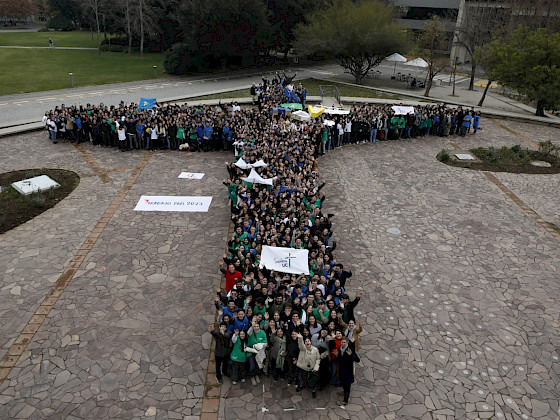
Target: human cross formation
[(301, 329)]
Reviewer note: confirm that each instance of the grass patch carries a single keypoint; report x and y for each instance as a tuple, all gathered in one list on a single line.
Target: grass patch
[(312, 86), (41, 39), (514, 159), (37, 70), (16, 209)]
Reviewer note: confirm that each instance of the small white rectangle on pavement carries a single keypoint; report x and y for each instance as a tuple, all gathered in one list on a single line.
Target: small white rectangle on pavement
[(172, 203), (191, 175)]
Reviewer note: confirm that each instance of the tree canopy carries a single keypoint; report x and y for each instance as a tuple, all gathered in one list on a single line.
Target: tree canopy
[(360, 35), (529, 62)]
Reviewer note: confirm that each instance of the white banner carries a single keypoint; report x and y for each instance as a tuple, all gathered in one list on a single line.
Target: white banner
[(255, 178), (244, 165), (191, 175), (285, 260), (403, 110), (170, 203)]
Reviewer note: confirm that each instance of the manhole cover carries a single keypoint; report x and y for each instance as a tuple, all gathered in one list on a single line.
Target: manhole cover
[(541, 163), (394, 231)]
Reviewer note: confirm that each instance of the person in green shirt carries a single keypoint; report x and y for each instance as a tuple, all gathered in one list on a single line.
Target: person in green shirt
[(321, 312), (401, 122), (238, 356), (255, 336)]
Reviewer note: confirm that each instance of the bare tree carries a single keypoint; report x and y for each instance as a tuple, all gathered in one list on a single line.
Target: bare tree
[(94, 5), (431, 43), (128, 12)]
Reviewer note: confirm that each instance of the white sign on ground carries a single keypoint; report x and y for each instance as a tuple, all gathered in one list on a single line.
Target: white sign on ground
[(464, 156), (36, 184), (171, 203), (285, 260), (191, 175)]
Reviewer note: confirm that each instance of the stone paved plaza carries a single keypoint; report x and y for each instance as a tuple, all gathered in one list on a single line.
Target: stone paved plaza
[(461, 309)]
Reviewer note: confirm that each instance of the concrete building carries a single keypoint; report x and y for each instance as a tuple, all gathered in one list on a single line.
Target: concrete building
[(414, 14)]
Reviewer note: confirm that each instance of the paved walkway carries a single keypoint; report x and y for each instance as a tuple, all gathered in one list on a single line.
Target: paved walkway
[(46, 48), (103, 311), (26, 110)]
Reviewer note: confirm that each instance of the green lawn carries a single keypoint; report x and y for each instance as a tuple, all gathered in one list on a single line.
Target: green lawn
[(312, 86), (36, 70), (41, 39)]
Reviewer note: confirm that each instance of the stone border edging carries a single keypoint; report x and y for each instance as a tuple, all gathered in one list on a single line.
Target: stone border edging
[(26, 335)]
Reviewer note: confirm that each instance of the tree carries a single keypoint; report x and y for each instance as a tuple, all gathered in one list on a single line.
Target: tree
[(529, 62), (475, 24), (94, 5), (431, 43), (360, 35), (18, 9), (284, 16), (70, 10)]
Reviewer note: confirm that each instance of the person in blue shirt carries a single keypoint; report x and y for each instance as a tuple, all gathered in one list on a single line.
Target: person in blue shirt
[(226, 136), (78, 127), (476, 122), (466, 124), (207, 135), (140, 127), (240, 322)]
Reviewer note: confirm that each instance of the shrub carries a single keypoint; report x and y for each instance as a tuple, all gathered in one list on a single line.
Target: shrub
[(516, 148), (60, 23), (37, 199), (114, 48), (548, 148), (444, 155), (180, 60)]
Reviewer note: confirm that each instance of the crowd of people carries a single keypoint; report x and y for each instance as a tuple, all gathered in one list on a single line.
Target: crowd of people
[(301, 329)]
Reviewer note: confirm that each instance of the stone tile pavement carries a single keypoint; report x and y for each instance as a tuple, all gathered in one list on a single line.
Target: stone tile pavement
[(461, 311)]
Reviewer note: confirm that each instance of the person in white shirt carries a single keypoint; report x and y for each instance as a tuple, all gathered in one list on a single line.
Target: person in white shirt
[(52, 130), (347, 131), (121, 132)]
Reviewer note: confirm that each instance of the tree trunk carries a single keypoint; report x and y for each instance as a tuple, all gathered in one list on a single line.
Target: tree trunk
[(358, 78), (428, 87), (473, 69), (540, 108), (98, 31), (141, 30), (128, 25), (485, 91)]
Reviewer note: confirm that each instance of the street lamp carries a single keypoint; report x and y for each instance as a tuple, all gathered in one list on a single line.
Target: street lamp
[(71, 79), (455, 74)]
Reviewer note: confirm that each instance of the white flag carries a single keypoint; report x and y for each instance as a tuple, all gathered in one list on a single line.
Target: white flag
[(285, 260)]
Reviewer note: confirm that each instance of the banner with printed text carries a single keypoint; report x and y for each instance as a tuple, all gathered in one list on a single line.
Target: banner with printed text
[(170, 203), (285, 260)]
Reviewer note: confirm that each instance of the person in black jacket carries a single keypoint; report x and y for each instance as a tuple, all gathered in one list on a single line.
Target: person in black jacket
[(221, 351), (292, 354), (347, 306), (341, 274), (346, 356)]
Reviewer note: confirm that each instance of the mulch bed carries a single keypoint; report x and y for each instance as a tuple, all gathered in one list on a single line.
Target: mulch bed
[(16, 209)]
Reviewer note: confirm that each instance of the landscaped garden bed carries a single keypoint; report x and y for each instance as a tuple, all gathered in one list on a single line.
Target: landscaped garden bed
[(16, 208), (514, 159)]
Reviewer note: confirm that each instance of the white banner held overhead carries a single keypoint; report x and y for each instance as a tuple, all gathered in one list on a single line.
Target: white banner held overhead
[(170, 203), (285, 260), (403, 110), (191, 175)]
